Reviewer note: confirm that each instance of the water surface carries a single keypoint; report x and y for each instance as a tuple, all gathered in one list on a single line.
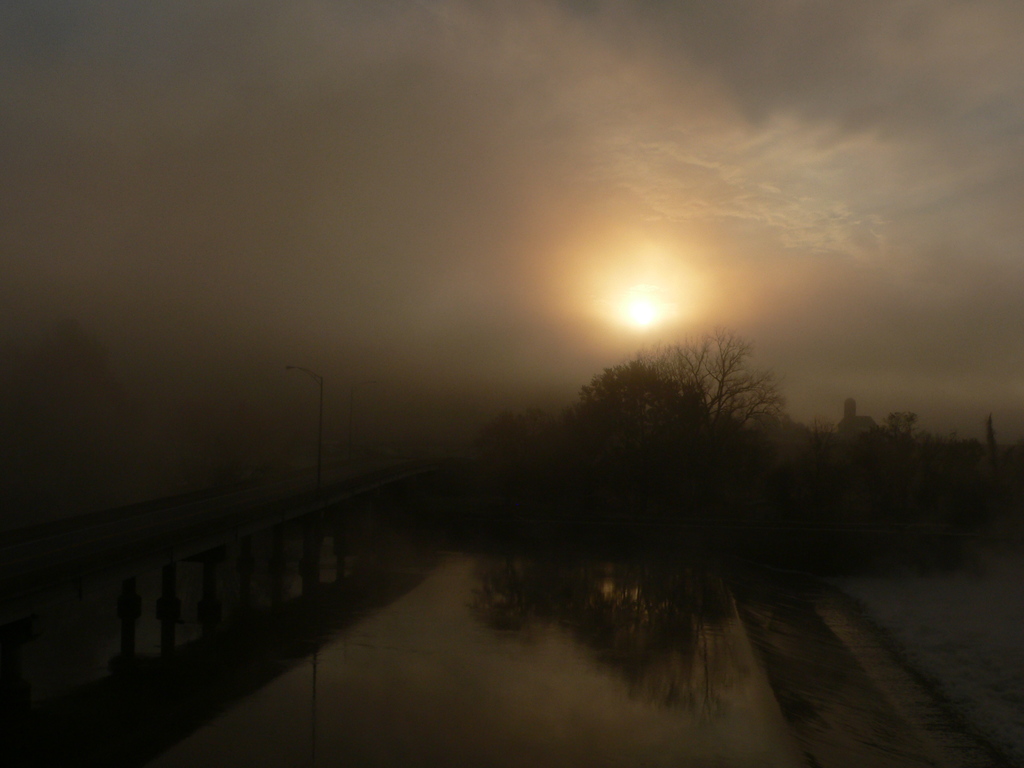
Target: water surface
[(510, 662)]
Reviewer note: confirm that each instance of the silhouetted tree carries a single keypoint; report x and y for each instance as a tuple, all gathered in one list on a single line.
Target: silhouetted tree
[(900, 426), (950, 485), (736, 401), (677, 424), (636, 427), (716, 368), (813, 476), (895, 473), (993, 449), (516, 452)]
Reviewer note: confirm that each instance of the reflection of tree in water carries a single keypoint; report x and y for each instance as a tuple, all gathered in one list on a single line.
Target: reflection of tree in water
[(666, 630)]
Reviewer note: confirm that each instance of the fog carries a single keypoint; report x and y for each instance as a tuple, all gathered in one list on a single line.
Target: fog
[(450, 199)]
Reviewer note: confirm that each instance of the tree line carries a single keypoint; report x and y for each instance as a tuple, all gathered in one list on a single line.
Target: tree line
[(696, 430)]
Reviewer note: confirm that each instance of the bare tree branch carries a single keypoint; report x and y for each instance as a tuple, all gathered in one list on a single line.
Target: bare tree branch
[(716, 368)]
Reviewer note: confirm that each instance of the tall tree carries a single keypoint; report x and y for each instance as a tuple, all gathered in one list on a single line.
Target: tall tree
[(717, 369), (677, 424)]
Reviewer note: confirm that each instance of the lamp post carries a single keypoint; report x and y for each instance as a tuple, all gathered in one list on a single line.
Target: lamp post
[(320, 422), (351, 402)]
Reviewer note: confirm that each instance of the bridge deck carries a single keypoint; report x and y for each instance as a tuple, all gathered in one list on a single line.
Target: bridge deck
[(58, 559)]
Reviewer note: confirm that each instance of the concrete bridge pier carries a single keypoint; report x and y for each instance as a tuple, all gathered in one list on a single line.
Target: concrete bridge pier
[(339, 545), (276, 566), (129, 610), (210, 608), (168, 609), (246, 566), (312, 543)]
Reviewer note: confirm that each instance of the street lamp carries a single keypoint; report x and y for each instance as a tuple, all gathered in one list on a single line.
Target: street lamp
[(320, 428), (351, 401)]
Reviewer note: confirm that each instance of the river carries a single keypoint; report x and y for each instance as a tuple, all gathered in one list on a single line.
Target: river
[(495, 662), (414, 651)]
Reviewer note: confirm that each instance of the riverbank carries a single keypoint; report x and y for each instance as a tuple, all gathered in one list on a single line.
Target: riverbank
[(964, 632), (848, 695)]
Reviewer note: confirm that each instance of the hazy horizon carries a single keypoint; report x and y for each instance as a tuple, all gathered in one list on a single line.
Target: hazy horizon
[(459, 200)]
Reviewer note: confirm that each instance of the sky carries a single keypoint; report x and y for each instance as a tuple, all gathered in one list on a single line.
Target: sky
[(460, 201)]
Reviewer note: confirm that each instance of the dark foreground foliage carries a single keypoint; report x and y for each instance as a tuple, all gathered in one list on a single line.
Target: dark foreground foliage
[(678, 428), (692, 433)]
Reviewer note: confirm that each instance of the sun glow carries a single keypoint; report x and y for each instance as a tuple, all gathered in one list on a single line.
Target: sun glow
[(650, 293), (643, 306), (641, 312)]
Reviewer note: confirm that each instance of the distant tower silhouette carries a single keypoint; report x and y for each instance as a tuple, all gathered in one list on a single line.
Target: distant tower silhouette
[(849, 409), (852, 424)]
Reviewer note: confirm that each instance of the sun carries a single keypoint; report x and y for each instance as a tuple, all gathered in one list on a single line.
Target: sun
[(643, 306), (641, 312)]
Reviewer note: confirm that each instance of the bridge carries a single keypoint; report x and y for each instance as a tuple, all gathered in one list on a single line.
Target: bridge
[(62, 561)]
